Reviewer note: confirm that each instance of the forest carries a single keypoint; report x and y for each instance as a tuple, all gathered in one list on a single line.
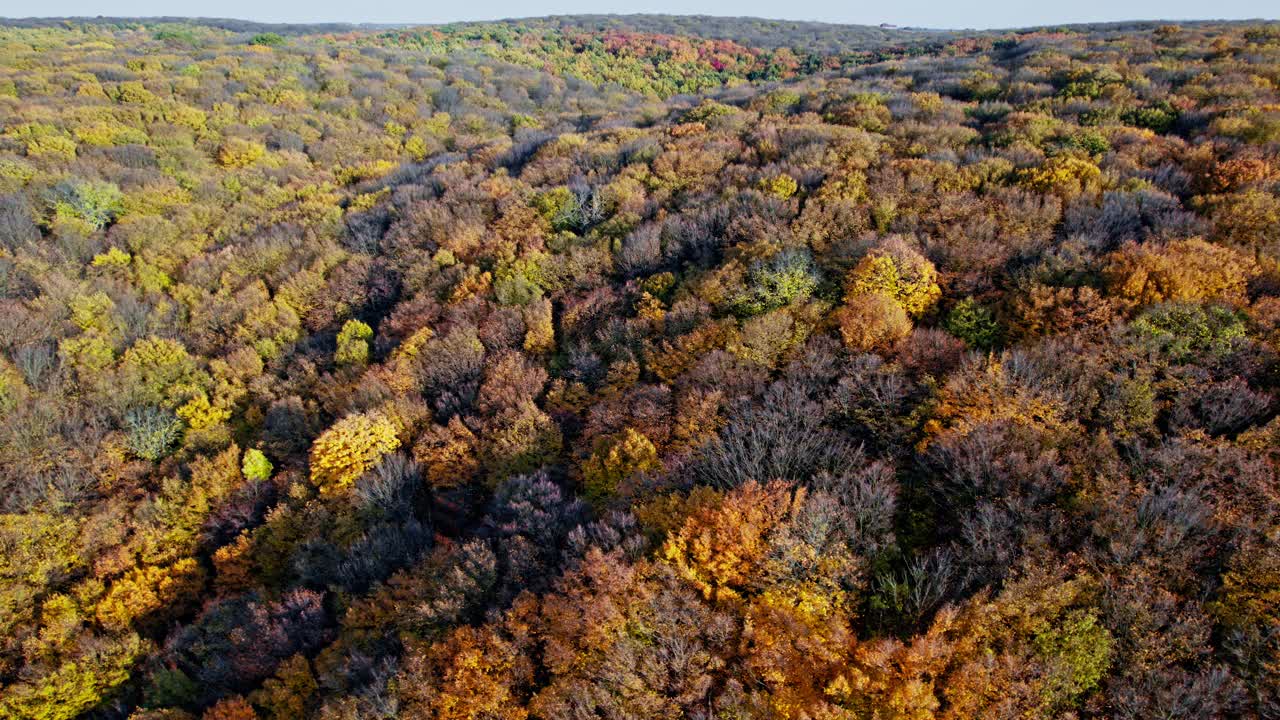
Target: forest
[(614, 367)]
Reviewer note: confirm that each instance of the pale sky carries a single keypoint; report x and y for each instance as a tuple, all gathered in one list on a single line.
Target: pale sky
[(921, 13)]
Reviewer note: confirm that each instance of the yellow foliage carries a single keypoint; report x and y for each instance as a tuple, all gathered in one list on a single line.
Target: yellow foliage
[(367, 170), (984, 391), (719, 548), (364, 201), (900, 273), (75, 686), (36, 549), (345, 451), (133, 92), (872, 321), (474, 683), (523, 439), (147, 589), (186, 116), (115, 257), (161, 370), (239, 153), (12, 385), (51, 146), (103, 134), (540, 334), (615, 459), (233, 564), (1191, 270), (412, 345), (416, 147), (781, 186), (89, 354), (200, 414), (448, 453), (286, 695), (93, 312), (1063, 174)]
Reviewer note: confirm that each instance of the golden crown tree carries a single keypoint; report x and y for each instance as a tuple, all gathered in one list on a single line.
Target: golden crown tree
[(349, 448)]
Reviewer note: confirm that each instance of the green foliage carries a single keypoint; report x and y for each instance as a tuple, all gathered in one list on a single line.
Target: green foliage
[(1092, 142), (256, 466), (353, 344), (786, 277), (973, 323), (1160, 117), (708, 110), (1078, 649), (94, 204), (171, 687), (560, 208), (519, 283), (1185, 331), (177, 36), (269, 39), (151, 432)]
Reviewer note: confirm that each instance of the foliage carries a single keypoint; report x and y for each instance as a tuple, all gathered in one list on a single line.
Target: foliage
[(256, 466), (348, 448), (152, 431), (615, 460), (1186, 331), (974, 324), (353, 344), (788, 276), (723, 368), (899, 273)]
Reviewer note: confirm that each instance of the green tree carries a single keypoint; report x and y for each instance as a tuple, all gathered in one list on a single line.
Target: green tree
[(256, 466), (975, 324), (353, 344), (151, 432)]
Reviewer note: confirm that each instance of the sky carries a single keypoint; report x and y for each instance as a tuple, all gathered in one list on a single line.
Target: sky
[(919, 13)]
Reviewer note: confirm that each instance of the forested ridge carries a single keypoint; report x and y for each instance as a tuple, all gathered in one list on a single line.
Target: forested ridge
[(639, 367)]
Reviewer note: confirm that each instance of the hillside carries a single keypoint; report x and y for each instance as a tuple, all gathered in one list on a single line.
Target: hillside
[(639, 367)]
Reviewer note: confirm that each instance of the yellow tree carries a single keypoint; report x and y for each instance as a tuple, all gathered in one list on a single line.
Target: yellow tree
[(349, 448), (615, 459), (898, 271)]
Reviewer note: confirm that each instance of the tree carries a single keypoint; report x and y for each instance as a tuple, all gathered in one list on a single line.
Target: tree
[(92, 205), (872, 321), (615, 459), (974, 324), (256, 466), (353, 344), (289, 692), (720, 547), (237, 153), (786, 277), (75, 686), (152, 431), (232, 708), (897, 272), (348, 448), (160, 371), (145, 590), (1181, 271), (1184, 331)]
